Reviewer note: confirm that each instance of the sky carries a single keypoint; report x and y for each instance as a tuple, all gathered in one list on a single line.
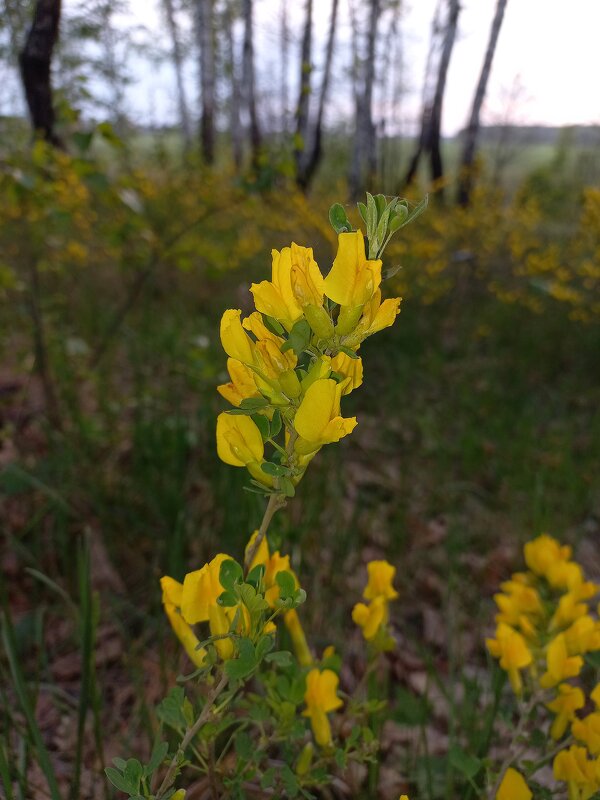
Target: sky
[(545, 70)]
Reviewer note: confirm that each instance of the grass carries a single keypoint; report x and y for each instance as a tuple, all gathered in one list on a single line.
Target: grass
[(478, 428)]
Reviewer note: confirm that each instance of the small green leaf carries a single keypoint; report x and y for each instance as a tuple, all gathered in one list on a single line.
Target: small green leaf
[(133, 774), (255, 575), (463, 762), (339, 219), (282, 658), (244, 748), (230, 574), (159, 753), (287, 584), (350, 353), (287, 487), (362, 210), (276, 423), (263, 646), (119, 781), (273, 325), (299, 338), (253, 403), (380, 203), (262, 423), (227, 600), (274, 469), (240, 667), (389, 273)]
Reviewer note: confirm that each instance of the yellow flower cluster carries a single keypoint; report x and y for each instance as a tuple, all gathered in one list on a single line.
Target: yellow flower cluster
[(373, 618), (195, 600), (291, 361), (546, 625)]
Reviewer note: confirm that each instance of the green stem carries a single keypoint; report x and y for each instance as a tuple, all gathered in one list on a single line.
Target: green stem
[(189, 735), (276, 501)]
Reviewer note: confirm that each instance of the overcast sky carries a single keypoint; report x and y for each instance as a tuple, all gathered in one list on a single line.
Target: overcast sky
[(548, 60)]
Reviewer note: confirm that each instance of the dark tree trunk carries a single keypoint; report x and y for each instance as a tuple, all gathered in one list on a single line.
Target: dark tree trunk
[(249, 84), (235, 98), (311, 163), (177, 54), (431, 119), (364, 162), (472, 131), (437, 169), (301, 139), (207, 78), (35, 61)]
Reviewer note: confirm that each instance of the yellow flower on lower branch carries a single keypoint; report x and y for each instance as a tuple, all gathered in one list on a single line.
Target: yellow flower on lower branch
[(318, 419), (371, 617), (512, 650), (587, 730), (560, 666), (381, 575), (569, 700), (581, 775), (172, 599), (513, 787), (320, 698), (240, 444)]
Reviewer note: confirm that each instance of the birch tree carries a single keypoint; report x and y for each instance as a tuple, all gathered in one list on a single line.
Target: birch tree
[(472, 131), (178, 61), (302, 108), (249, 83)]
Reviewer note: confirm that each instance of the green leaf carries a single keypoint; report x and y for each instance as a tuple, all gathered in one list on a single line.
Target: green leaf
[(268, 779), (119, 763), (467, 764), (119, 781), (417, 210), (287, 584), (350, 353), (133, 774), (290, 783), (253, 403), (273, 325), (380, 203), (298, 338), (244, 748), (276, 423), (282, 658), (255, 575), (287, 487), (240, 667), (362, 210), (339, 219), (262, 423), (171, 709), (389, 273), (263, 646), (83, 140), (230, 574), (274, 469), (371, 216), (227, 599), (159, 753)]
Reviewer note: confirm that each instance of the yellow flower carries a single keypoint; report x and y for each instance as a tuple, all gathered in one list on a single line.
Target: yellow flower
[(240, 444), (377, 315), (352, 280), (276, 297), (544, 552), (516, 600), (318, 419), (511, 648), (381, 574), (371, 617), (298, 637), (560, 665), (236, 342), (595, 696), (172, 593), (201, 589), (583, 636), (306, 279), (242, 384), (513, 787), (348, 368), (587, 730), (568, 701), (571, 605), (320, 698), (581, 775)]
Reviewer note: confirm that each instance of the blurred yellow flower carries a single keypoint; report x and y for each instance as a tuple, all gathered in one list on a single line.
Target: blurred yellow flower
[(320, 698), (513, 787), (511, 648), (371, 617), (569, 700), (381, 575), (560, 665), (172, 592)]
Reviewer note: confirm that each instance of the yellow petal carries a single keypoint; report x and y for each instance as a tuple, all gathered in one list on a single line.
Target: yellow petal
[(513, 787), (381, 575), (242, 384), (239, 440), (350, 368), (317, 419), (201, 589), (352, 279), (234, 339)]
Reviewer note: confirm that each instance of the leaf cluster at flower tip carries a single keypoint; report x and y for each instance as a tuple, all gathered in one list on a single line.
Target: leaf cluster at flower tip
[(293, 359), (547, 626), (373, 617), (238, 610)]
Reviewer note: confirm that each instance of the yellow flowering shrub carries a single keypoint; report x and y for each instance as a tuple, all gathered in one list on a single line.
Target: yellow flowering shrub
[(548, 641)]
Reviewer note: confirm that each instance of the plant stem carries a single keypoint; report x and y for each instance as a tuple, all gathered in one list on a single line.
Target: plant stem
[(276, 501), (189, 735), (513, 751)]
